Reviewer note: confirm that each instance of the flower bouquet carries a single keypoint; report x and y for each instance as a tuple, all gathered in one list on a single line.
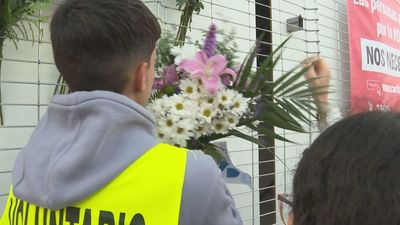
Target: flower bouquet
[(207, 96)]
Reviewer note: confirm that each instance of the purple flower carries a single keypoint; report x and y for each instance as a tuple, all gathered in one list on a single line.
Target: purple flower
[(170, 74), (210, 43), (169, 78), (158, 84)]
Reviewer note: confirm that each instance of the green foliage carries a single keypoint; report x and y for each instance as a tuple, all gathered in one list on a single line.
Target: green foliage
[(18, 20), (286, 102), (188, 7), (168, 91), (197, 4), (228, 47), (164, 55)]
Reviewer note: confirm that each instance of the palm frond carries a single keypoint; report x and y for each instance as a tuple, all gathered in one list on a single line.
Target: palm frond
[(13, 16), (292, 109), (254, 140), (286, 102), (244, 74)]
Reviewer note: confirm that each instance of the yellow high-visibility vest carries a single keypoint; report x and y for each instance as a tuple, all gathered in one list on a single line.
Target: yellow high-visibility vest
[(146, 193)]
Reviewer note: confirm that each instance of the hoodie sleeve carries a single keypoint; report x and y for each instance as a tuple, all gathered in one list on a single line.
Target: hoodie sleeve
[(222, 209), (206, 199)]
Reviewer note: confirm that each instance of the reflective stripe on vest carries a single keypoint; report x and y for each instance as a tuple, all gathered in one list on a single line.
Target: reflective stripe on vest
[(146, 193)]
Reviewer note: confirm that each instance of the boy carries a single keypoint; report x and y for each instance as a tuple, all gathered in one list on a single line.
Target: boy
[(94, 158)]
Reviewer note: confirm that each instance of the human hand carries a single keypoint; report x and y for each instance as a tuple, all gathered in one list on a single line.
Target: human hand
[(319, 68)]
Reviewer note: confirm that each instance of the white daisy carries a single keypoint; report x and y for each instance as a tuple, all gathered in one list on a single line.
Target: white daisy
[(203, 129), (198, 131), (220, 126), (180, 105), (189, 88), (157, 108), (167, 123), (240, 104), (232, 120), (187, 122), (163, 135), (165, 126), (180, 136), (207, 112), (225, 97)]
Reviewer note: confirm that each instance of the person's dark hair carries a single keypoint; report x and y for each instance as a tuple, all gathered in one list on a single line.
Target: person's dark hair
[(96, 42), (350, 174)]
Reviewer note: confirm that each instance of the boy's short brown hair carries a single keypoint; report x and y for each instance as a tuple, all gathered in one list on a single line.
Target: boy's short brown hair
[(96, 42)]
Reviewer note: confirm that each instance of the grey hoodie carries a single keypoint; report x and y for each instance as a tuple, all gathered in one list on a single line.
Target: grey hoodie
[(88, 138)]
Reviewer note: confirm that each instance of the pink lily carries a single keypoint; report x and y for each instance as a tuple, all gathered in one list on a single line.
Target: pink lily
[(209, 70)]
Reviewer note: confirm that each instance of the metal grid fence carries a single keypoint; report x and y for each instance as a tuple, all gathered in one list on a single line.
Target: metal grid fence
[(29, 77)]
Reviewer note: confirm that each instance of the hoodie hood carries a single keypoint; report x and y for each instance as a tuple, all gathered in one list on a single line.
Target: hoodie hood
[(83, 141)]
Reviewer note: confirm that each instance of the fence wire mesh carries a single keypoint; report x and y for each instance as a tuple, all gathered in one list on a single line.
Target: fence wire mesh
[(29, 78)]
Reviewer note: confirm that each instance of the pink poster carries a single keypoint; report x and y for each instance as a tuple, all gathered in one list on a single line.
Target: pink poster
[(374, 40)]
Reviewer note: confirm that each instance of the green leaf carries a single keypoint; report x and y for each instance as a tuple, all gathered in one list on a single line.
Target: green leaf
[(291, 108), (273, 119), (308, 103), (291, 79), (245, 72), (280, 46), (247, 137), (267, 132), (279, 81), (14, 35), (213, 137), (296, 86), (17, 27), (266, 68), (264, 72), (256, 141), (309, 92), (24, 29), (247, 65), (214, 152), (282, 113), (32, 31), (301, 106)]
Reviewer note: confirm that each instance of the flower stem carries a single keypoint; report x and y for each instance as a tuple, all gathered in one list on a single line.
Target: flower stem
[(186, 19)]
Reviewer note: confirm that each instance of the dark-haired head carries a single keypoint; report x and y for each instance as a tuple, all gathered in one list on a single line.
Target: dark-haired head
[(98, 43), (350, 174)]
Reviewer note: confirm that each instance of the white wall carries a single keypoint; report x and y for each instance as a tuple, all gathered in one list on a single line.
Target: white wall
[(26, 100)]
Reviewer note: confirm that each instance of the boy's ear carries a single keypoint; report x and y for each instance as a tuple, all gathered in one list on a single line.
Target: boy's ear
[(140, 77)]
